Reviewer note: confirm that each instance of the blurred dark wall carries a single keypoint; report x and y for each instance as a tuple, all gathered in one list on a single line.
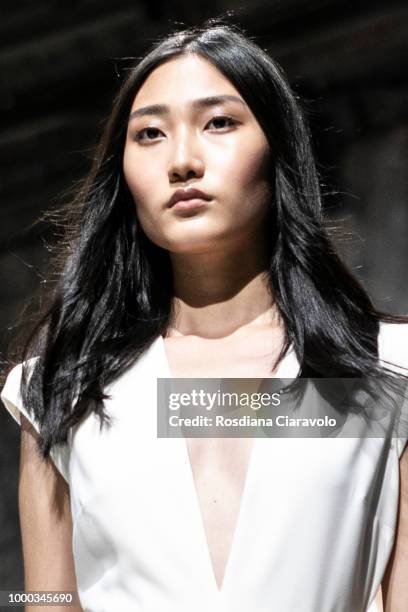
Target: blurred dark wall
[(58, 73)]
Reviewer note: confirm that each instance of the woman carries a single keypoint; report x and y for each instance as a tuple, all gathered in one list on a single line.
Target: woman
[(198, 250)]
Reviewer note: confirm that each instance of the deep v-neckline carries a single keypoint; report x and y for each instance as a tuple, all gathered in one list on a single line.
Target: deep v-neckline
[(193, 495), (240, 513)]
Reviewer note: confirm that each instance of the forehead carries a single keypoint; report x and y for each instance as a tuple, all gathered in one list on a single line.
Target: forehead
[(183, 79)]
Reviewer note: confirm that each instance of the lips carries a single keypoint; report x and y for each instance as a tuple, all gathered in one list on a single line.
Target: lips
[(187, 194)]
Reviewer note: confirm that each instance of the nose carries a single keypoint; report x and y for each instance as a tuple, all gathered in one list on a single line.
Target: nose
[(186, 161)]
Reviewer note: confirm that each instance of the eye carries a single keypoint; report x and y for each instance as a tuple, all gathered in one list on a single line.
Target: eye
[(148, 134), (221, 122)]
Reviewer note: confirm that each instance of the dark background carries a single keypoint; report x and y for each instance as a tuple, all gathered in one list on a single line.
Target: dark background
[(59, 65)]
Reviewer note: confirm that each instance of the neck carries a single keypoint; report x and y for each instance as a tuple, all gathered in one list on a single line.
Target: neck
[(218, 294)]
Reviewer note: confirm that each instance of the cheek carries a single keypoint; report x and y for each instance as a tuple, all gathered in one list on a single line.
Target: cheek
[(245, 163), (251, 177), (254, 168), (142, 186), (141, 183), (132, 176)]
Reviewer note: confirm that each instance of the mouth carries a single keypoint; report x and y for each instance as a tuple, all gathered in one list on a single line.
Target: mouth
[(185, 206), (185, 199)]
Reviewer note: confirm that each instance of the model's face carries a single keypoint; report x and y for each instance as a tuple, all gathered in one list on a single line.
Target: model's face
[(198, 133)]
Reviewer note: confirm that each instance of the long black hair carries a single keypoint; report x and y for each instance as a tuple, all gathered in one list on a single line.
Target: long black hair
[(113, 293)]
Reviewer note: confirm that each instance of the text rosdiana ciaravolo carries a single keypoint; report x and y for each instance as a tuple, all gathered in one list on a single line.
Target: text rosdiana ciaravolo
[(248, 421)]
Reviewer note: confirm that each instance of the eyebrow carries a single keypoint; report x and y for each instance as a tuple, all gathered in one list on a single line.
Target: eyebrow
[(163, 109)]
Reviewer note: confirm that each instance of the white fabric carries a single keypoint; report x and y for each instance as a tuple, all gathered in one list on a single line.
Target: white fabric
[(314, 532), (11, 398)]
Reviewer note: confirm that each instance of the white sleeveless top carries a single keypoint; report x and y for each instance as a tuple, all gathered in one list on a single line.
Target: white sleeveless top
[(314, 531)]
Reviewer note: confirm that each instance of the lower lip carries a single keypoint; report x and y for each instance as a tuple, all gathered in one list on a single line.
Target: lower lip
[(187, 205)]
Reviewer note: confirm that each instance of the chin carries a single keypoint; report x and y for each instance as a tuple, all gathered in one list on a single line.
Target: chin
[(190, 244), (190, 248)]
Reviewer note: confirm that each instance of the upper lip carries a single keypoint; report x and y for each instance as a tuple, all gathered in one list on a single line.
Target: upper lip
[(187, 194)]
